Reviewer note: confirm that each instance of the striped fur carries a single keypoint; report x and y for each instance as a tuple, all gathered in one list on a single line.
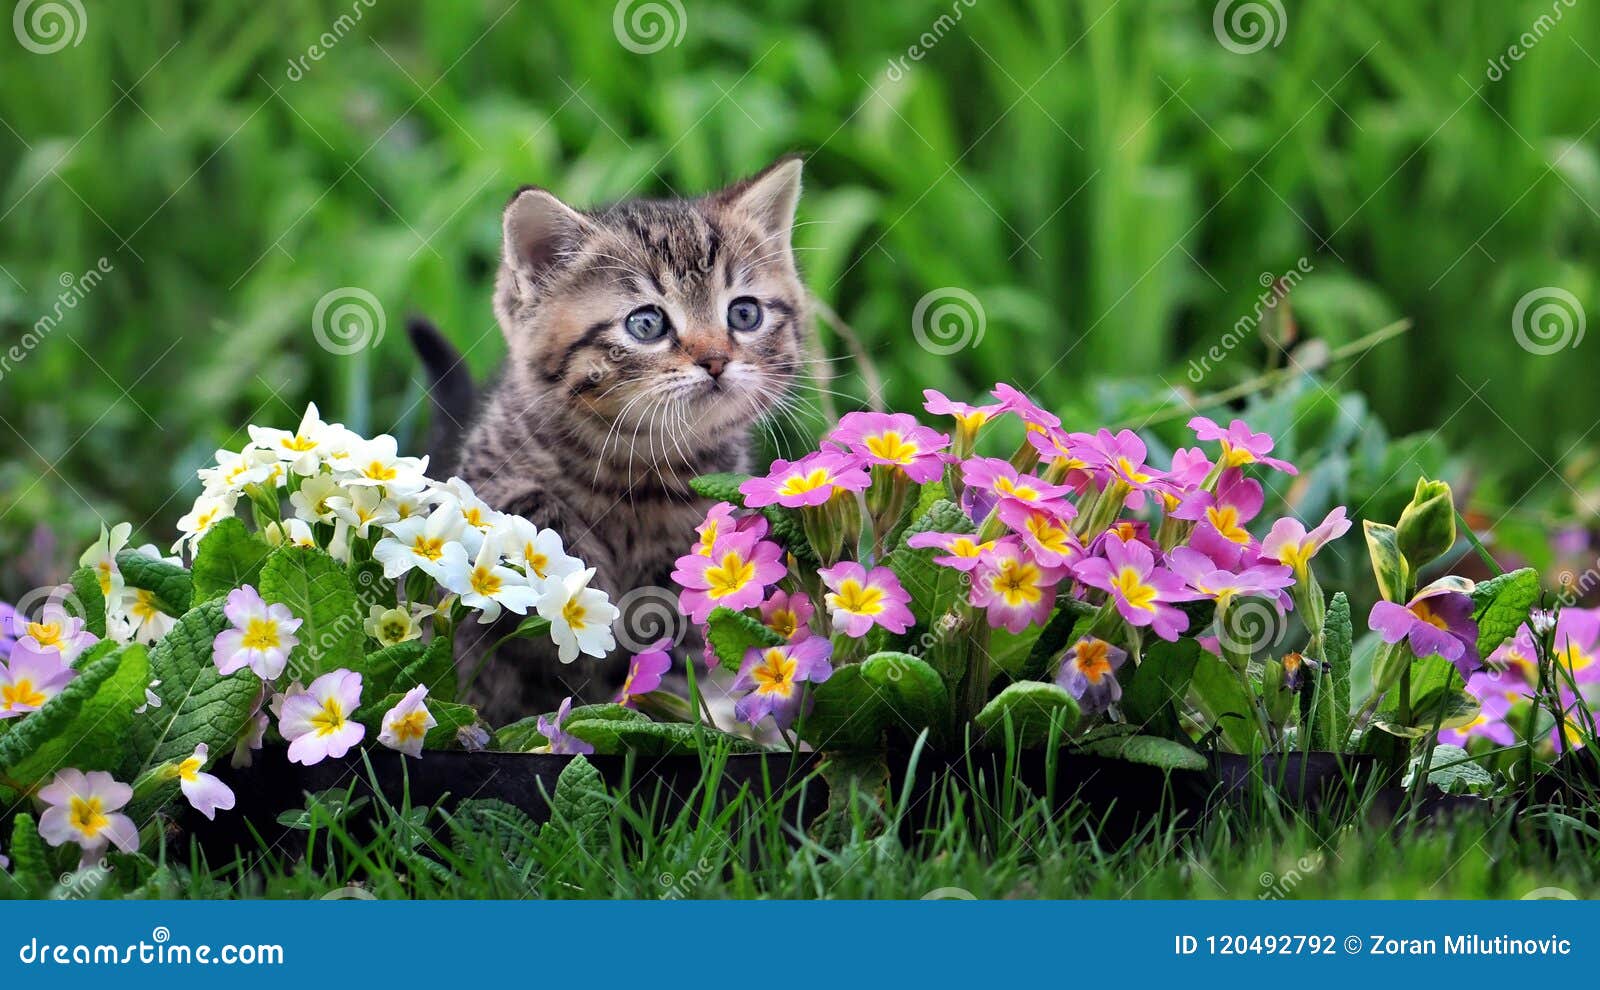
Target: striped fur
[(595, 434)]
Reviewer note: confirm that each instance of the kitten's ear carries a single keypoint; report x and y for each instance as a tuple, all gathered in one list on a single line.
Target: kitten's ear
[(539, 229), (769, 197)]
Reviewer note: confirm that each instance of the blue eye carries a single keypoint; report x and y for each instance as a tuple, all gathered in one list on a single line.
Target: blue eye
[(744, 313), (647, 323)]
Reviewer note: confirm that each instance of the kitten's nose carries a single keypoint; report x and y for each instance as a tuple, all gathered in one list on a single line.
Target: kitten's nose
[(713, 363)]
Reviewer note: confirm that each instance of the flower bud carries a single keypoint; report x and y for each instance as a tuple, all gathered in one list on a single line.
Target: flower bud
[(1428, 525)]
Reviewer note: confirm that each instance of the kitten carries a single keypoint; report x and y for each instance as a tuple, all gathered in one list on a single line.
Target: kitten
[(646, 339)]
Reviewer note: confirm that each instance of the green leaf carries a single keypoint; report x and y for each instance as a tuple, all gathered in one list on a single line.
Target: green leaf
[(198, 705), (1159, 684), (318, 591), (721, 486), (1446, 709), (90, 602), (580, 804), (30, 860), (1502, 606), (383, 672), (229, 556), (372, 588), (1223, 700), (1149, 750), (169, 583), (504, 828), (1332, 723), (647, 738), (850, 779), (1452, 770), (732, 633), (1030, 707), (934, 588), (436, 669), (99, 735), (1388, 564), (848, 713), (521, 736), (913, 690), (46, 729), (1052, 642)]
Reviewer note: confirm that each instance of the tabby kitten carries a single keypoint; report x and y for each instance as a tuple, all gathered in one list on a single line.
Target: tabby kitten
[(646, 339)]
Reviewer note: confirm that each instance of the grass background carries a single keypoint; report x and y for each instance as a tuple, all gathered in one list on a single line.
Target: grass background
[(1107, 179)]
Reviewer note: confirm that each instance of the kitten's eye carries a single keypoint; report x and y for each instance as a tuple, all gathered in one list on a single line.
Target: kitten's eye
[(647, 323), (744, 313)]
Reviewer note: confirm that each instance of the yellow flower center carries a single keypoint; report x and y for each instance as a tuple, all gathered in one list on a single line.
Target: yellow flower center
[(144, 605), (573, 611), (972, 421), (88, 816), (1134, 591), (774, 674), (1130, 472), (260, 634), (428, 548), (1236, 456), (299, 444), (203, 521), (22, 694), (330, 719), (892, 447), (536, 562), (729, 576), (1094, 660), (102, 572), (1016, 489), (47, 634), (485, 582), (1017, 582), (1296, 556), (707, 539), (1226, 519), (857, 598), (784, 622), (1574, 658), (473, 516), (394, 628), (799, 484), (379, 471), (189, 770), (1425, 612), (410, 726), (1048, 534), (965, 546)]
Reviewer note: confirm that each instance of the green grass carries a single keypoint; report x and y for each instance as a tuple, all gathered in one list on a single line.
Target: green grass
[(1015, 847), (1106, 178)]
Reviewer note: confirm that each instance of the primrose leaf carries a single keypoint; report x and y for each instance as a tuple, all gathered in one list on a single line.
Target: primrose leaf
[(1160, 682), (732, 633), (1502, 605), (383, 672), (1030, 707), (505, 828), (318, 591), (171, 585), (46, 729), (1452, 770), (229, 556), (1332, 720), (30, 860), (913, 691), (1150, 750), (87, 601), (98, 735), (198, 705), (580, 804), (721, 486), (848, 713), (1223, 700), (1388, 563)]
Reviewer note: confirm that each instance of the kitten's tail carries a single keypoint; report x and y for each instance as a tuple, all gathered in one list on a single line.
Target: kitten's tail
[(451, 389)]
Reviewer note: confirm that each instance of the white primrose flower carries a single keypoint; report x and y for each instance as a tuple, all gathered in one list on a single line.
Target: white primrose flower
[(393, 626), (304, 449), (362, 508), (207, 511), (488, 585), (136, 618), (101, 558), (250, 466), (378, 462), (580, 617), (406, 725), (294, 532), (539, 552), (311, 502), (153, 552), (479, 519), (340, 447), (430, 543)]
